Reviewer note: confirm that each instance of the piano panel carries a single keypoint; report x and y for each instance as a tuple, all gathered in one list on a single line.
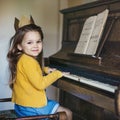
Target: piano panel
[(101, 69)]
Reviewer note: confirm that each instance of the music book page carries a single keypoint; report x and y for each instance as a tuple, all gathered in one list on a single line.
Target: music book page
[(97, 32), (85, 35), (91, 34)]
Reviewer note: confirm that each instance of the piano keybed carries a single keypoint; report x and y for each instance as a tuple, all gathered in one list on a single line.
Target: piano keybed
[(97, 84), (93, 80)]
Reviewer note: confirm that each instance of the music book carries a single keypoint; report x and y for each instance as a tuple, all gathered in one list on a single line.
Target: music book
[(91, 34)]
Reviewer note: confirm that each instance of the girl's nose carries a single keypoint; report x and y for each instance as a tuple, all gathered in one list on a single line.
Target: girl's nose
[(35, 45)]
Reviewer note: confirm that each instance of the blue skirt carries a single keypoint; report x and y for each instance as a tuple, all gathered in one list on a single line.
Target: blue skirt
[(50, 108)]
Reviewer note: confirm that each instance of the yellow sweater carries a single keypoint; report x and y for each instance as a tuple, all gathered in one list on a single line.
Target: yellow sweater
[(30, 84)]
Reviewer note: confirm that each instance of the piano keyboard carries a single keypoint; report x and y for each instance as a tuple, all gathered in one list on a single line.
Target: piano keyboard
[(100, 85)]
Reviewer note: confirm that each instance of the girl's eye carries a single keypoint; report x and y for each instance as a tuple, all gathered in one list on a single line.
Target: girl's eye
[(39, 41), (29, 42)]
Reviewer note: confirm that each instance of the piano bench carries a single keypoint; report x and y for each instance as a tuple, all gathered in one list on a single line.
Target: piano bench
[(7, 114), (11, 115)]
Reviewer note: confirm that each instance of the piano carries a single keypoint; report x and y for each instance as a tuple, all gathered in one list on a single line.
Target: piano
[(91, 90)]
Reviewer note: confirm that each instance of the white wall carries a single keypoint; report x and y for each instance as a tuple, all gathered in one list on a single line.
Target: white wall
[(72, 3), (45, 14)]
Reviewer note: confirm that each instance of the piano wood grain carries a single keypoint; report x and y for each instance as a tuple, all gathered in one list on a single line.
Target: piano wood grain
[(87, 94)]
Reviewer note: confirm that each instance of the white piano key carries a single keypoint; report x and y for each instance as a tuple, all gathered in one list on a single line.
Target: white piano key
[(73, 77), (97, 84)]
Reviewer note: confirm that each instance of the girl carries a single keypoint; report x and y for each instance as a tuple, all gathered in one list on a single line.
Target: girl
[(27, 81)]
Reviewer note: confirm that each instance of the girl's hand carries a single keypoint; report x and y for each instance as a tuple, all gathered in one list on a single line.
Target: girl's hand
[(51, 70)]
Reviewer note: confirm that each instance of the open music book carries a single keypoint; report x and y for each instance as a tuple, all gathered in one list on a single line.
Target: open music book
[(91, 34)]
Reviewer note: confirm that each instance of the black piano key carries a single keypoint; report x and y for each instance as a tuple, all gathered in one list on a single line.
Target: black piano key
[(89, 75)]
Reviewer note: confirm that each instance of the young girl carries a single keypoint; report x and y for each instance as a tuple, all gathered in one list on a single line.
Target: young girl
[(27, 81)]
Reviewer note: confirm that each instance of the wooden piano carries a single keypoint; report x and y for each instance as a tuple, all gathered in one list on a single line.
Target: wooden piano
[(94, 99)]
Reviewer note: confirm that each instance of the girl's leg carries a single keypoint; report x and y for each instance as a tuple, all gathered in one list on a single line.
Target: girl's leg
[(68, 112)]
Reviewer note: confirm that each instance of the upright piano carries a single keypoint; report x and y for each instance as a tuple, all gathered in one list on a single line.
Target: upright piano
[(90, 89)]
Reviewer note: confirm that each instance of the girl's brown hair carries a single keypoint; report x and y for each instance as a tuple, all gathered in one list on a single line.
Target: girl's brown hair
[(14, 53)]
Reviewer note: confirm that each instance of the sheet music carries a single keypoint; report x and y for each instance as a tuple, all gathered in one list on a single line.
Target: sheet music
[(91, 34), (85, 35), (97, 32)]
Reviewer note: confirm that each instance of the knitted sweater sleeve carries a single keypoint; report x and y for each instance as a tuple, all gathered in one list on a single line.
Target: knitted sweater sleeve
[(33, 73)]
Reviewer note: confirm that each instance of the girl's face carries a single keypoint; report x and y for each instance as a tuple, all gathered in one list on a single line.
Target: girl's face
[(31, 44)]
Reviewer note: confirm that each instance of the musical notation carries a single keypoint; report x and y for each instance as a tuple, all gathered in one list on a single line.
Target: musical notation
[(91, 34)]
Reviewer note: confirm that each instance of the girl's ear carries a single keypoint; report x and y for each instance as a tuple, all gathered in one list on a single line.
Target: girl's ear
[(19, 47)]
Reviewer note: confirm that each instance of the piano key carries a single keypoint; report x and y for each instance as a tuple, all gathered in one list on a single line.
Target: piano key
[(73, 77), (97, 84)]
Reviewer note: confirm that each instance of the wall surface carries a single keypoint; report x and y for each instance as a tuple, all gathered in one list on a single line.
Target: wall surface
[(45, 14), (72, 3)]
